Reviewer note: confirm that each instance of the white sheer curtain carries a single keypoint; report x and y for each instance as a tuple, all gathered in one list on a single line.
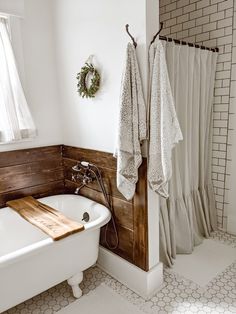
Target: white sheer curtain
[(16, 122), (189, 214)]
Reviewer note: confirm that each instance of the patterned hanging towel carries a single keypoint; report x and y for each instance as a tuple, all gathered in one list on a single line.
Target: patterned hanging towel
[(132, 128), (165, 131)]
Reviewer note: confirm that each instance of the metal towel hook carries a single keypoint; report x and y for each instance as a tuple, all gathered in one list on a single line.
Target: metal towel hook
[(155, 36), (127, 30)]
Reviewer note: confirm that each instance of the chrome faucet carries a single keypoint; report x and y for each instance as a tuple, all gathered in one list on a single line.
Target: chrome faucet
[(79, 188), (83, 174)]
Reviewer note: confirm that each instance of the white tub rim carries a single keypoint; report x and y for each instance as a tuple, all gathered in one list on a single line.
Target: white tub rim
[(31, 249)]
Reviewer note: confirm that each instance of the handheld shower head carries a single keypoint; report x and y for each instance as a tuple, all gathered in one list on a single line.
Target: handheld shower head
[(85, 164)]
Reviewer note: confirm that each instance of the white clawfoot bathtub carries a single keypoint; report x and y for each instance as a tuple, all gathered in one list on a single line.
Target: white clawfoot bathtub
[(31, 262)]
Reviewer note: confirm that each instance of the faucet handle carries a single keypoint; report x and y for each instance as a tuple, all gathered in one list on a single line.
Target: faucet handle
[(87, 179), (77, 168)]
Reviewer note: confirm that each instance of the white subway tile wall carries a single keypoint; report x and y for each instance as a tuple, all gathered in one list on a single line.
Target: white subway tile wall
[(211, 23)]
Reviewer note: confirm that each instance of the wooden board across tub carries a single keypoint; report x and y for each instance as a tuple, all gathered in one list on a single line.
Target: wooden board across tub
[(49, 220)]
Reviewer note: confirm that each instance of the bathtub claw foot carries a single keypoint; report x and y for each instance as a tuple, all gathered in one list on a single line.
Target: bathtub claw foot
[(74, 282)]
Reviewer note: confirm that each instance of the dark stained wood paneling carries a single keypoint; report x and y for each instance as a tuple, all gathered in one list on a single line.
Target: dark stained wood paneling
[(23, 176), (24, 156), (52, 188), (45, 171), (126, 240), (131, 216), (141, 219), (104, 160), (35, 171)]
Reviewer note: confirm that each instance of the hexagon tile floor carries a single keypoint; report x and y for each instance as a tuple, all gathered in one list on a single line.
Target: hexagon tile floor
[(178, 295)]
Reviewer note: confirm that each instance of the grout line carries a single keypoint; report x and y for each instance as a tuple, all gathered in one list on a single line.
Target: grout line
[(226, 60), (228, 131)]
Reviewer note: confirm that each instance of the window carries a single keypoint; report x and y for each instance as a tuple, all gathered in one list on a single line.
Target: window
[(16, 122)]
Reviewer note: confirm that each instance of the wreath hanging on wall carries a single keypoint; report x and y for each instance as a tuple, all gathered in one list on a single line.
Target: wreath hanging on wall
[(83, 89)]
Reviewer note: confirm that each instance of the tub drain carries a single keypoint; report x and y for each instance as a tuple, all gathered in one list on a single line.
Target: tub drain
[(85, 217)]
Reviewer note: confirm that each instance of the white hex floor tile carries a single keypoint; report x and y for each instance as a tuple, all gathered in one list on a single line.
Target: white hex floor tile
[(178, 294)]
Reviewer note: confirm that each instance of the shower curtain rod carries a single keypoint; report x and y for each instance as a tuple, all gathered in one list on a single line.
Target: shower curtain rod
[(182, 42)]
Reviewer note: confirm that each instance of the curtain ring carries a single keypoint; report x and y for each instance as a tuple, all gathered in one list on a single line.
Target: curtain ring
[(183, 43)]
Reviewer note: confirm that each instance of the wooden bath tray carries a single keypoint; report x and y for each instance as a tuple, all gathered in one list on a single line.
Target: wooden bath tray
[(49, 220)]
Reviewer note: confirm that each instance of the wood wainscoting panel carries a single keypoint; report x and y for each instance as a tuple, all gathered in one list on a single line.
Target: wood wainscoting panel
[(131, 216), (45, 171), (35, 171), (141, 218)]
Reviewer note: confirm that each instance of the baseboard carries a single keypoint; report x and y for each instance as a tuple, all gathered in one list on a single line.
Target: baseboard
[(143, 283)]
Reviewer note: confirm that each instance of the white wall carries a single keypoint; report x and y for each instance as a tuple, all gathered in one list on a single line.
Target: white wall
[(39, 66), (98, 28), (152, 26), (94, 27), (15, 7)]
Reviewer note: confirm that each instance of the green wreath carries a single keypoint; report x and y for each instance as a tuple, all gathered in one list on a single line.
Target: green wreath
[(83, 89)]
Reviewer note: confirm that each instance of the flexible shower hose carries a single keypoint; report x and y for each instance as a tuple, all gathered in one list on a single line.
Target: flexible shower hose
[(99, 179)]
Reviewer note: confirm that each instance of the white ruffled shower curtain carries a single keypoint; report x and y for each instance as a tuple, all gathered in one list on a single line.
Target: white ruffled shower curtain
[(189, 213)]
